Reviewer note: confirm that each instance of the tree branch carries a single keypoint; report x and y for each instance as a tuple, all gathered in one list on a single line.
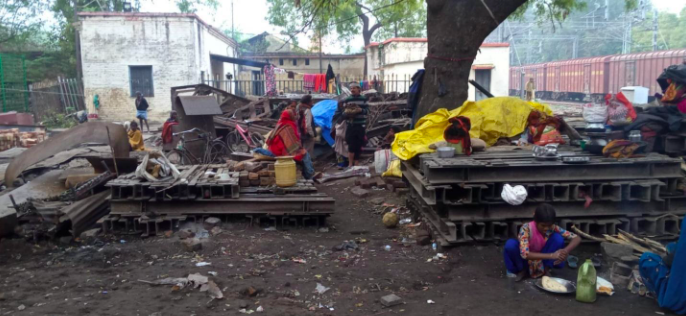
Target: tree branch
[(374, 28)]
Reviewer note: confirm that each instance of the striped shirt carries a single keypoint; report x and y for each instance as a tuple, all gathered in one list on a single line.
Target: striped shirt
[(361, 101)]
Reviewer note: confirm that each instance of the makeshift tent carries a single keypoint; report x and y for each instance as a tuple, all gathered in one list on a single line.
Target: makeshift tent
[(491, 119)]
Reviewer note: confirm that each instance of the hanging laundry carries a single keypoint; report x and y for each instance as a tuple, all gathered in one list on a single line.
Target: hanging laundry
[(291, 75), (308, 82), (270, 80)]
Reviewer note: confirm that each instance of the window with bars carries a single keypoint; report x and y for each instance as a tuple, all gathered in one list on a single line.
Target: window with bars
[(140, 78), (307, 61), (295, 62)]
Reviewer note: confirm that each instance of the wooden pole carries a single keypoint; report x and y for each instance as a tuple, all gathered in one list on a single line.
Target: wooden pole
[(114, 158)]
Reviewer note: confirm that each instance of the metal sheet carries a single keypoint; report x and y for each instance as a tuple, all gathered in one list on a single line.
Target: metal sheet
[(86, 212), (200, 105), (84, 133), (45, 186)]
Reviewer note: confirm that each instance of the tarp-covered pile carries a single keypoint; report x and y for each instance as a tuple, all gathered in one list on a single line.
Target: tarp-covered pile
[(491, 119)]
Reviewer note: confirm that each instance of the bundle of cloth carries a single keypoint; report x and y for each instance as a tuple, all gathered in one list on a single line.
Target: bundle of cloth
[(673, 84)]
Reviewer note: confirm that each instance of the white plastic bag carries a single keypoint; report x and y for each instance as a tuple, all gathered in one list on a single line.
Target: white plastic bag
[(160, 158), (514, 195), (594, 113), (382, 159)]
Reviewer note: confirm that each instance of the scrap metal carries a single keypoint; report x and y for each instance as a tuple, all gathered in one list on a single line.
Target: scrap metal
[(95, 132)]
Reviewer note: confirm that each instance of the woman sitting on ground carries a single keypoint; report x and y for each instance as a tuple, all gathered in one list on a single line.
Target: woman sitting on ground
[(539, 247), (285, 141)]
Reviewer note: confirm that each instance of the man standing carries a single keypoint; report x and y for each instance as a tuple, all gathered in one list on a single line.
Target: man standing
[(142, 110), (306, 124), (530, 87), (355, 109)]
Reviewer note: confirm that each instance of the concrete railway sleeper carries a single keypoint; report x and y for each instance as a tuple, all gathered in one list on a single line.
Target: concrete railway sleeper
[(484, 228), (159, 225)]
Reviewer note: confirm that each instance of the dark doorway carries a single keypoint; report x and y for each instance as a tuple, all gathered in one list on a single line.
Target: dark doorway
[(483, 78)]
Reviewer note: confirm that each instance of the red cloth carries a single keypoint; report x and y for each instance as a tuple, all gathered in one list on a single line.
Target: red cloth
[(458, 133), (317, 83), (324, 84), (276, 143), (167, 134), (682, 106), (626, 102)]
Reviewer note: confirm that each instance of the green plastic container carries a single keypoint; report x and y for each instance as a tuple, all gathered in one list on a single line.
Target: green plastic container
[(585, 283)]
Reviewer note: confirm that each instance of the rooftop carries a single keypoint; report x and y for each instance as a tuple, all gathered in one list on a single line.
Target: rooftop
[(132, 16), (424, 40)]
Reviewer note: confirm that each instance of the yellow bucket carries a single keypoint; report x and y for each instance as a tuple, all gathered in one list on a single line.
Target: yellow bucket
[(285, 171)]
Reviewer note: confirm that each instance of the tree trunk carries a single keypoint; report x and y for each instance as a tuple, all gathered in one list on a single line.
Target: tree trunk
[(367, 40), (367, 33), (455, 31)]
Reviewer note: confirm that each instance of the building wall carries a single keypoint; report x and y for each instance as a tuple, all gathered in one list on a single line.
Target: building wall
[(177, 48), (400, 60), (499, 57), (346, 67)]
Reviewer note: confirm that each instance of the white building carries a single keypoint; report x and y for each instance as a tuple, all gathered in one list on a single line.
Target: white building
[(397, 59), (124, 52)]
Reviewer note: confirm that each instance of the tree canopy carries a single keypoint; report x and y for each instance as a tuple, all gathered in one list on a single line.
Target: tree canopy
[(348, 18)]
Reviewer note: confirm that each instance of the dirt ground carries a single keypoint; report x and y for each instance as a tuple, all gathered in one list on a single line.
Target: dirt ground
[(50, 279)]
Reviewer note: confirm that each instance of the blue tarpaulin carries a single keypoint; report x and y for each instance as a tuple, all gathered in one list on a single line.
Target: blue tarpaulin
[(323, 113)]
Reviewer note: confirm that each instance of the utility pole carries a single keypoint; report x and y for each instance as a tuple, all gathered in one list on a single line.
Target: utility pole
[(607, 10), (233, 30), (235, 51), (77, 45), (655, 29)]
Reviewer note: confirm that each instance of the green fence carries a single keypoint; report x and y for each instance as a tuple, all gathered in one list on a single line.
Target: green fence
[(13, 86)]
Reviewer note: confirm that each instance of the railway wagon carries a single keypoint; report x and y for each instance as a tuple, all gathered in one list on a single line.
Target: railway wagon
[(576, 79), (587, 79), (518, 79), (641, 69)]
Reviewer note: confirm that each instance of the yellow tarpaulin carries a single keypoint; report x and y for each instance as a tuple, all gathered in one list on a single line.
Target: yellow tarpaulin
[(491, 120)]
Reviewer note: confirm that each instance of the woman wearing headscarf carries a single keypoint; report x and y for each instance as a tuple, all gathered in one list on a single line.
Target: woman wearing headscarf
[(285, 141)]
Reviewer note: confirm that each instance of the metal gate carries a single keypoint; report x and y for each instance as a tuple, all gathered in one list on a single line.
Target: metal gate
[(13, 88)]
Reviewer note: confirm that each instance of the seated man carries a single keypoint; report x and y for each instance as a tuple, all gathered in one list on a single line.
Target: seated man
[(285, 141), (135, 137), (167, 128)]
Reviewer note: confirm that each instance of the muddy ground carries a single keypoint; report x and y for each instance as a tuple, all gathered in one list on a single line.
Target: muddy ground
[(50, 279)]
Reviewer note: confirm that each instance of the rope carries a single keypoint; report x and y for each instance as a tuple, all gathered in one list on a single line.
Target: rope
[(449, 58)]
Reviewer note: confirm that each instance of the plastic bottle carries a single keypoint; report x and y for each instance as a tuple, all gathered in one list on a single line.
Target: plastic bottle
[(586, 283)]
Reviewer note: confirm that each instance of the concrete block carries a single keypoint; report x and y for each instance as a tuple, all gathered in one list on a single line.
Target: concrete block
[(253, 167), (253, 176), (270, 167), (359, 192), (263, 173), (243, 175), (391, 300), (255, 182)]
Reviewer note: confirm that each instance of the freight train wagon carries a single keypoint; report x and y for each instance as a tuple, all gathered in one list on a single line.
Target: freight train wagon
[(588, 79)]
